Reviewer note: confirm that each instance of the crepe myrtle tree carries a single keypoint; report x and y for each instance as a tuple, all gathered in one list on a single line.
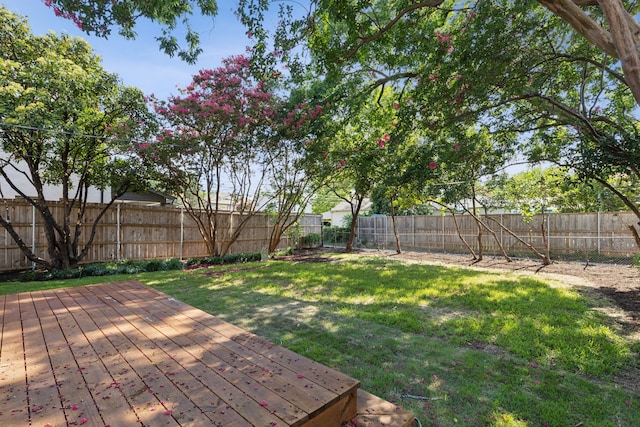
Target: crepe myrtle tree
[(66, 123), (296, 167), (221, 131)]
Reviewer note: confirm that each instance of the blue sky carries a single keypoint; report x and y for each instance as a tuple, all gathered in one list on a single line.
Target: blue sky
[(139, 62)]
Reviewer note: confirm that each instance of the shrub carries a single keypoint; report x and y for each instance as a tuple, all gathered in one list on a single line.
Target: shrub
[(226, 259), (311, 240), (103, 269)]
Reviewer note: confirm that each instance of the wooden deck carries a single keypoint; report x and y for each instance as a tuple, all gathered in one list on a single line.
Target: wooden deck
[(125, 354)]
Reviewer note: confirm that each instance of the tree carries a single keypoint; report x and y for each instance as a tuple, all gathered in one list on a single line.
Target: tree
[(358, 150), (66, 123), (99, 17), (340, 32), (296, 171), (220, 131)]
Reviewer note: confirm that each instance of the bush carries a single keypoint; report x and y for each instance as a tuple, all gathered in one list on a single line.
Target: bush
[(226, 259), (311, 240), (103, 269)]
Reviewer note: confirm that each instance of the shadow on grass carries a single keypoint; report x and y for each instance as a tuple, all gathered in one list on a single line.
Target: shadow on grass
[(460, 380)]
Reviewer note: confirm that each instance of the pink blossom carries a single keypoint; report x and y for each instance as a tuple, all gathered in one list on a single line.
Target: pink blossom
[(433, 77), (380, 142), (342, 162), (84, 420), (443, 38), (456, 147), (264, 403), (396, 106), (387, 137), (433, 165)]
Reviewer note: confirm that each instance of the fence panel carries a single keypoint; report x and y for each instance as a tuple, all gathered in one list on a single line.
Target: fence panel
[(599, 237), (135, 232)]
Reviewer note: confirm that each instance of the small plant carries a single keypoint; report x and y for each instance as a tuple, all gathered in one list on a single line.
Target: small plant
[(311, 240)]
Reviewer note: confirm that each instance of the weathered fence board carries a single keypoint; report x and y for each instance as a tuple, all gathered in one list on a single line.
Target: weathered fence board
[(135, 232), (572, 235)]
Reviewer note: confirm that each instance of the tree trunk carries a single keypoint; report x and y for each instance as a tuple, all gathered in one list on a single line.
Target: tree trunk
[(519, 239), (395, 226), (546, 260), (635, 234), (480, 225), (355, 210), (493, 234), (455, 221)]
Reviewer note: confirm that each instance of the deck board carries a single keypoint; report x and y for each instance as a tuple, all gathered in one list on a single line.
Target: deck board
[(127, 354)]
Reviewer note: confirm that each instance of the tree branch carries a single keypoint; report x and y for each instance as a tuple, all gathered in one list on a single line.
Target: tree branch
[(390, 24), (570, 11)]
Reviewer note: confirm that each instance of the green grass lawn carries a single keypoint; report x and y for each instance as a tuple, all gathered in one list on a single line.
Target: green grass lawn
[(455, 346)]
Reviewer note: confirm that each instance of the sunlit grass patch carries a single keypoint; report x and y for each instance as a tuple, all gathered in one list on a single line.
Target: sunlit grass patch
[(455, 346)]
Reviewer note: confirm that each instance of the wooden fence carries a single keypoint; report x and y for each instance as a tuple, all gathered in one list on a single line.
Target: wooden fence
[(578, 236), (134, 232)]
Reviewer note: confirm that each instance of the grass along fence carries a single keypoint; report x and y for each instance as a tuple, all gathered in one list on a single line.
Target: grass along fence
[(593, 237), (134, 232)]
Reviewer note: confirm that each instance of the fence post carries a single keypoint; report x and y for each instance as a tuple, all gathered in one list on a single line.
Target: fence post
[(375, 231), (181, 231), (33, 234), (502, 230), (598, 231), (444, 249), (413, 231), (385, 242), (118, 232)]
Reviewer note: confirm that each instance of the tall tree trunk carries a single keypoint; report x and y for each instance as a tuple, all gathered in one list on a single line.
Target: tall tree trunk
[(546, 260), (479, 224), (395, 226), (355, 210)]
